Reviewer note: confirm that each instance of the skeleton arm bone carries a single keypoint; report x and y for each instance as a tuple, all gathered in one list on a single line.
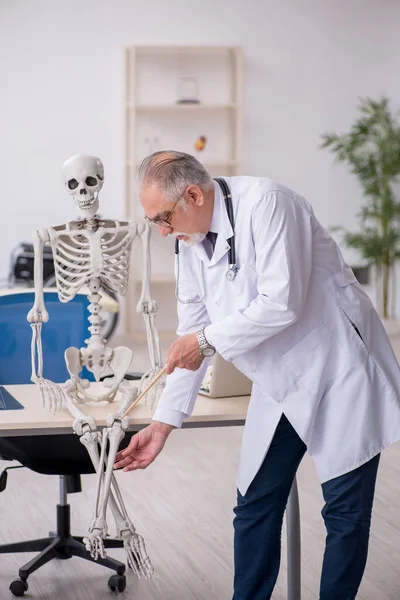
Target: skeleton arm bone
[(51, 392), (156, 361), (146, 304), (148, 307), (153, 340), (38, 312)]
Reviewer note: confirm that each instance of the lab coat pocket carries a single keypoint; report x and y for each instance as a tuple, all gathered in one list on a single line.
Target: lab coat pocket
[(244, 286), (315, 360), (356, 308)]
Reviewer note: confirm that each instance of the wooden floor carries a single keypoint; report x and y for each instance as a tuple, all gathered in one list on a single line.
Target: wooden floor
[(182, 505)]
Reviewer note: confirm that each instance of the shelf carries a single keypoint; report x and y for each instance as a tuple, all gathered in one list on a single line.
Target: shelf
[(181, 107), (154, 119), (184, 50)]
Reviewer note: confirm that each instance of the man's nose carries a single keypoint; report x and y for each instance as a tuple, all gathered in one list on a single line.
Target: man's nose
[(164, 231)]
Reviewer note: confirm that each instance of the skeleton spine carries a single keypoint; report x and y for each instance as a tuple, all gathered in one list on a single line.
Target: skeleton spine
[(94, 298), (94, 308)]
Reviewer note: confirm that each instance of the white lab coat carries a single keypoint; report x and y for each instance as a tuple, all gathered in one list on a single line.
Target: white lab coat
[(287, 322)]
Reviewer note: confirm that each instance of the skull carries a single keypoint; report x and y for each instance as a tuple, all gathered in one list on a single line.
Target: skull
[(84, 177)]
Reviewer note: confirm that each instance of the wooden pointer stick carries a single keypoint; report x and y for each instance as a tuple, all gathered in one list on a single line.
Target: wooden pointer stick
[(156, 378)]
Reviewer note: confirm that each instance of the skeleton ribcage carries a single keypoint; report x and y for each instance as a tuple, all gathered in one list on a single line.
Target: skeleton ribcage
[(78, 258)]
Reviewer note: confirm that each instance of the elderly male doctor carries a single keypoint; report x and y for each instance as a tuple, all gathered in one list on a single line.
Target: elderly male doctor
[(297, 323)]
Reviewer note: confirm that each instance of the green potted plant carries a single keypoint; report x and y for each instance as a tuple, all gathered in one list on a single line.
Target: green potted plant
[(372, 151)]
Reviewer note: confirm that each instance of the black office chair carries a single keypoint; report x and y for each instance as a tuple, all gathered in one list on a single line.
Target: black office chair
[(61, 455), (65, 456)]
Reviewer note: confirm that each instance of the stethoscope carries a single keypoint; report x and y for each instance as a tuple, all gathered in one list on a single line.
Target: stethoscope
[(232, 266)]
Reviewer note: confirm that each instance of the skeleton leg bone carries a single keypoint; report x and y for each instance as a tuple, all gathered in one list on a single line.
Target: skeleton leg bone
[(133, 542), (67, 389), (98, 527), (113, 434), (97, 532)]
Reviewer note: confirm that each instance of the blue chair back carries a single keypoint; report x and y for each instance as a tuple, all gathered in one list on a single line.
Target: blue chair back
[(67, 326)]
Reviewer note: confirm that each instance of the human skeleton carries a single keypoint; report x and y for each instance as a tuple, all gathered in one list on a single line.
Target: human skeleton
[(94, 252)]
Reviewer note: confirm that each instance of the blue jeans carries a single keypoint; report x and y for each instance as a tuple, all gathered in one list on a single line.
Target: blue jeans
[(259, 515)]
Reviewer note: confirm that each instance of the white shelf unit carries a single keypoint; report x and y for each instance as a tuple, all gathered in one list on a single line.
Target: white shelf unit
[(155, 120)]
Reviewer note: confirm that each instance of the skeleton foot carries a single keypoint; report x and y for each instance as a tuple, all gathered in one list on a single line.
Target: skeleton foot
[(94, 541), (137, 556)]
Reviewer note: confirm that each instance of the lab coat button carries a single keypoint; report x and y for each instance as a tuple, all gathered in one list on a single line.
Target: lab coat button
[(216, 303)]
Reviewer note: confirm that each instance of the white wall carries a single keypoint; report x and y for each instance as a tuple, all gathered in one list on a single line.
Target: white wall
[(61, 78)]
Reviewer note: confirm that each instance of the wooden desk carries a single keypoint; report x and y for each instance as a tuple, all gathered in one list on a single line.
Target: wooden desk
[(35, 419)]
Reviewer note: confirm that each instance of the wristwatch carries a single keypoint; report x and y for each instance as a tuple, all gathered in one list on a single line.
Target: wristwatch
[(204, 347)]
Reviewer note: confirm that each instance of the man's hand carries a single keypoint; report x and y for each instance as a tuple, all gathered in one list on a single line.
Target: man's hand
[(184, 353), (144, 447)]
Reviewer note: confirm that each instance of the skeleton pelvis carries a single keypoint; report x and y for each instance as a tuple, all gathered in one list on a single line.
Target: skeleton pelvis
[(97, 360)]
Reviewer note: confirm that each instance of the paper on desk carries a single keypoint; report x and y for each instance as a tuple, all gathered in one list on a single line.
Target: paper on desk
[(7, 401)]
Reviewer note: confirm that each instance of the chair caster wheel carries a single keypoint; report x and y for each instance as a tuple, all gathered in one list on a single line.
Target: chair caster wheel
[(117, 583), (18, 587)]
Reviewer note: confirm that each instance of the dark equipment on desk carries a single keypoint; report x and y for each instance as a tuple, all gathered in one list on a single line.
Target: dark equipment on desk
[(22, 262)]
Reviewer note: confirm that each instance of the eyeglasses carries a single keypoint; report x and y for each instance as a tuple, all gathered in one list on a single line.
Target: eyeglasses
[(165, 221)]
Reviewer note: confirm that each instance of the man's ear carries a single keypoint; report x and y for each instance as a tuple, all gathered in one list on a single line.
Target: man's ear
[(194, 194)]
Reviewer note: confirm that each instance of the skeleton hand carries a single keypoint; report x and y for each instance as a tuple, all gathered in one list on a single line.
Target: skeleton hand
[(52, 393), (154, 393), (38, 314)]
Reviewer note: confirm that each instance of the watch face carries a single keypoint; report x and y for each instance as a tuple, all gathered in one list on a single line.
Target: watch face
[(208, 352)]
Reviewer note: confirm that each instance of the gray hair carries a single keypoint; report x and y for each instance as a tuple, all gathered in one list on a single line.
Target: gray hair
[(173, 171)]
